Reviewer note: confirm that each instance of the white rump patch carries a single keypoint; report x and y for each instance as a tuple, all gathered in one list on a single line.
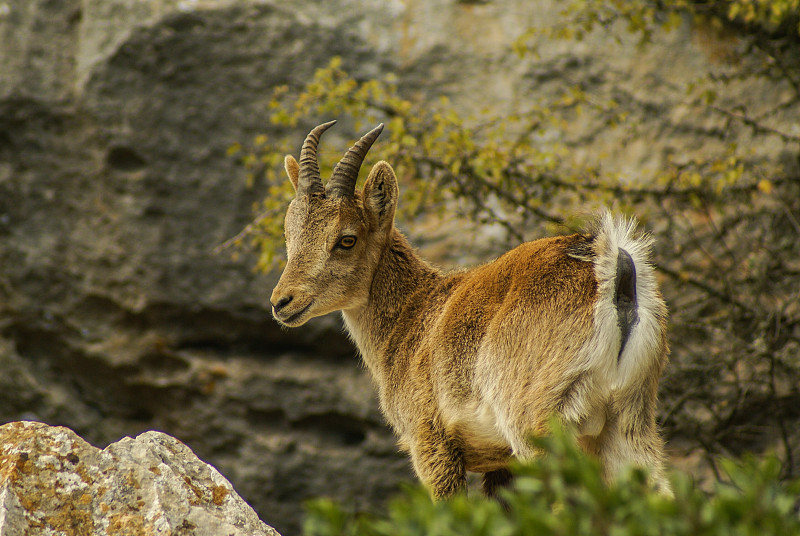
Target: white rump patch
[(644, 342)]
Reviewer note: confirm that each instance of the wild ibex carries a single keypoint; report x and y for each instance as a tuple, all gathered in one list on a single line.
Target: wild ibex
[(469, 365)]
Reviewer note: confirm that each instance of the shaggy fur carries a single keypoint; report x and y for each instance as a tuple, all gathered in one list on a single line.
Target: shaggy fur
[(468, 365)]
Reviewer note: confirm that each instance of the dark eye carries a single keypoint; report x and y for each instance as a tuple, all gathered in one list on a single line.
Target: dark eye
[(346, 242)]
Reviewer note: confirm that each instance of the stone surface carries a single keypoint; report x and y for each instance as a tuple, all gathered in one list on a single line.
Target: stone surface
[(53, 482), (115, 187)]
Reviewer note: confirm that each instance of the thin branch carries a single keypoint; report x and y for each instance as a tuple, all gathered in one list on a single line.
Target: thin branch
[(755, 125), (242, 234), (705, 287)]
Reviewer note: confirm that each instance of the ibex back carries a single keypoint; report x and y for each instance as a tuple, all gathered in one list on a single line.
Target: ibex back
[(470, 364)]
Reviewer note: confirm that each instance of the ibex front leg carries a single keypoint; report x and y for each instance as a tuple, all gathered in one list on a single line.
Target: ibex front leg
[(438, 460)]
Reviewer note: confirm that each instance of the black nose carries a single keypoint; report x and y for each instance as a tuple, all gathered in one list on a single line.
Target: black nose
[(283, 302)]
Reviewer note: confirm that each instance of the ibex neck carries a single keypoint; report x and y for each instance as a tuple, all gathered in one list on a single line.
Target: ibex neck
[(401, 274)]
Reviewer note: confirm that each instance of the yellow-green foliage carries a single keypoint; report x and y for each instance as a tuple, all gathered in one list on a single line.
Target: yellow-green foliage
[(515, 169), (563, 494), (511, 170), (643, 17), (442, 158)]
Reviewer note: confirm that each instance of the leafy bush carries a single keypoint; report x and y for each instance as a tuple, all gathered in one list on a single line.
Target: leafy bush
[(562, 493)]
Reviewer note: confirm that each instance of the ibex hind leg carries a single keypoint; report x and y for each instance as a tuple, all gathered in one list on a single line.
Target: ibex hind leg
[(494, 481), (631, 438)]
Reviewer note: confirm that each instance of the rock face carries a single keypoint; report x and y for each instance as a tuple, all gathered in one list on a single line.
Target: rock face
[(115, 187), (53, 482), (115, 117)]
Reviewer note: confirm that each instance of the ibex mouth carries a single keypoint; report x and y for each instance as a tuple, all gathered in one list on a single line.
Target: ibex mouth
[(292, 319)]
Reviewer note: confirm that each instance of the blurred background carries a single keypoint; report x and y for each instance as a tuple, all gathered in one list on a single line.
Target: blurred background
[(139, 140)]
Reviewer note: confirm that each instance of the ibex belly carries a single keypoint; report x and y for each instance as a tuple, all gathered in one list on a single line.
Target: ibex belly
[(475, 427), (517, 357)]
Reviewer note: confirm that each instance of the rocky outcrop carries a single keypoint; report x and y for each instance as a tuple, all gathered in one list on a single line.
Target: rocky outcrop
[(115, 315), (53, 482)]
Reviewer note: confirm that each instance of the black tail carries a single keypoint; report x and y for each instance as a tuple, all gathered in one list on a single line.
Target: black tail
[(625, 296)]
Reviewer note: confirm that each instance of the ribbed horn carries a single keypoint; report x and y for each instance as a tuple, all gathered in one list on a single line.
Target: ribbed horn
[(345, 174), (309, 182)]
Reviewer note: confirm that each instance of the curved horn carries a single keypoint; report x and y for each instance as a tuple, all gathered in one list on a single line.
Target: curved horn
[(309, 182), (345, 174)]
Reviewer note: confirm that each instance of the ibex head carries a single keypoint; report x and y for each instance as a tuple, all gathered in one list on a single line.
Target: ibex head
[(334, 234)]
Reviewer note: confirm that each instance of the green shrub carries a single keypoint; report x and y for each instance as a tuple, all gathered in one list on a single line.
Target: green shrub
[(562, 493)]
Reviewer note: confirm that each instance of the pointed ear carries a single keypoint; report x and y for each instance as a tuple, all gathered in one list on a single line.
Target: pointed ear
[(292, 169), (380, 193)]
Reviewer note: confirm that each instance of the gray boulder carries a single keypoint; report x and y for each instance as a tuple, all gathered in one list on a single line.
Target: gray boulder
[(54, 482)]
